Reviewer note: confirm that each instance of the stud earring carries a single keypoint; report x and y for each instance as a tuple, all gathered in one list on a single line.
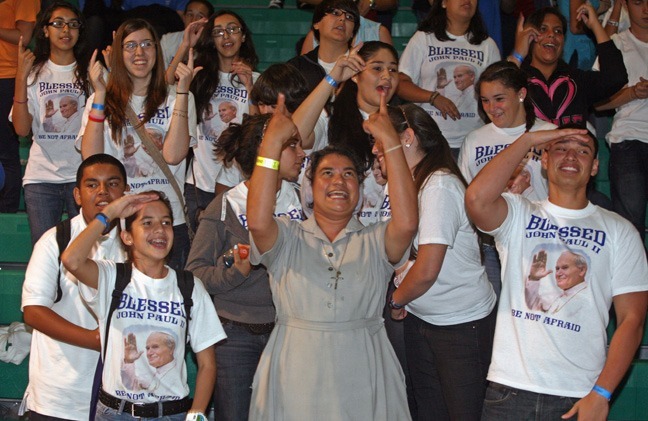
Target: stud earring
[(521, 99), (407, 145)]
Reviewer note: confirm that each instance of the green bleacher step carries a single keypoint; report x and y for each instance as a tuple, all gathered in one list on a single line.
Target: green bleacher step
[(15, 238)]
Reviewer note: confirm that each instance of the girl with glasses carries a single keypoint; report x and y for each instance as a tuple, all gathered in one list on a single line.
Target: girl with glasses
[(136, 80), (226, 53), (51, 90), (442, 292)]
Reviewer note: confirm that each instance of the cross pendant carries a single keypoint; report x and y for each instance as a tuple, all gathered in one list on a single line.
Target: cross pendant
[(337, 277)]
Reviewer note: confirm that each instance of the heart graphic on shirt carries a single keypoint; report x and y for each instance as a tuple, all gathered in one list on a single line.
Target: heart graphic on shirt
[(563, 102)]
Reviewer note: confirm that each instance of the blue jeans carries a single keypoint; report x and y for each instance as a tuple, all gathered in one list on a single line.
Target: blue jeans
[(493, 267), (237, 358), (180, 250), (448, 365), (503, 403), (197, 200), (45, 203), (105, 413), (629, 181)]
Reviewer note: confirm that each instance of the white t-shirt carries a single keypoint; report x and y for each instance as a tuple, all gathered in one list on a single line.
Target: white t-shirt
[(461, 292), (562, 350), (483, 144), (60, 374), (631, 119), (52, 156), (425, 59), (142, 171), (169, 45), (229, 102), (150, 308), (287, 202)]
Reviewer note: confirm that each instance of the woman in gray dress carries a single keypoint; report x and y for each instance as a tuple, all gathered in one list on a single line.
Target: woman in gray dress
[(328, 356)]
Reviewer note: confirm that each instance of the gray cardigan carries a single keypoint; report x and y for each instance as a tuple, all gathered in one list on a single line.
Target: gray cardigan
[(236, 297)]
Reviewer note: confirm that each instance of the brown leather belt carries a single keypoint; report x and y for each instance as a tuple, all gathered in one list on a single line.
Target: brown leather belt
[(252, 328), (146, 410)]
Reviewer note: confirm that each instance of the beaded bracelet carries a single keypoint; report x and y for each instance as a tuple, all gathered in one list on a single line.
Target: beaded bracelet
[(329, 79), (270, 163)]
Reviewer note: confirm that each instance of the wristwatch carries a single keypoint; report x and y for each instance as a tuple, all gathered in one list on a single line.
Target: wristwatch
[(195, 416)]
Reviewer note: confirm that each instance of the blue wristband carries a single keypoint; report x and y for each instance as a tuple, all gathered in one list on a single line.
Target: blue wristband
[(603, 392), (334, 83), (101, 217), (517, 56), (99, 107)]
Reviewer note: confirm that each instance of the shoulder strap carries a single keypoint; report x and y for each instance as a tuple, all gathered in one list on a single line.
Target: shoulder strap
[(186, 285), (63, 235), (124, 272), (155, 153)]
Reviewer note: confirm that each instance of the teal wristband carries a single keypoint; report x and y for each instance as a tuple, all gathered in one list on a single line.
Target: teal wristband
[(517, 56), (334, 83), (99, 107), (603, 392)]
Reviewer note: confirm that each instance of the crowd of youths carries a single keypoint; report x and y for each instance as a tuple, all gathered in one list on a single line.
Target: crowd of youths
[(349, 235)]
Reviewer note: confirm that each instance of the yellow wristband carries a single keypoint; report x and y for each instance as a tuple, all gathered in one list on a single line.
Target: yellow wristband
[(273, 164)]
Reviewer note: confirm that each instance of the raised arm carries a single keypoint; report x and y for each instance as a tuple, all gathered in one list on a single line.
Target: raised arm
[(189, 39), (305, 117), (630, 312), (262, 186), (176, 141), (484, 202), (404, 221), (76, 257), (92, 142), (20, 117)]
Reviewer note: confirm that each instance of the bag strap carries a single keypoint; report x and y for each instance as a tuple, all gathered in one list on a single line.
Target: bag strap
[(186, 286), (124, 273), (63, 236), (155, 153)]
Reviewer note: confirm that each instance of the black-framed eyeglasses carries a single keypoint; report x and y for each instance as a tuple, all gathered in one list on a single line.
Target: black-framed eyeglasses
[(337, 13), (132, 45), (231, 30), (60, 24)]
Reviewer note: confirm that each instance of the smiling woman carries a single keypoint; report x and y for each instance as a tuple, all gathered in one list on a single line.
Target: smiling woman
[(53, 114), (136, 80)]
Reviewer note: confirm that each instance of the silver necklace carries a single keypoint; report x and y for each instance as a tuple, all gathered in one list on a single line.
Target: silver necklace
[(333, 282)]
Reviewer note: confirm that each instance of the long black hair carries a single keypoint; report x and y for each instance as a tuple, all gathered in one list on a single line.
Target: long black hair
[(42, 48), (511, 76), (436, 22), (345, 124), (205, 83)]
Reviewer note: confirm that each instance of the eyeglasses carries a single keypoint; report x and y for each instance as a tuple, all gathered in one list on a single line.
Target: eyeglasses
[(60, 24), (404, 116), (337, 13), (231, 30), (131, 46)]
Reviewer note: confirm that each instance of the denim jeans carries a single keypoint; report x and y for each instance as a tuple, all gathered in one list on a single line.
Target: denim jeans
[(45, 203), (503, 403), (493, 267), (105, 413), (196, 199), (180, 250), (629, 181), (448, 365), (237, 358)]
